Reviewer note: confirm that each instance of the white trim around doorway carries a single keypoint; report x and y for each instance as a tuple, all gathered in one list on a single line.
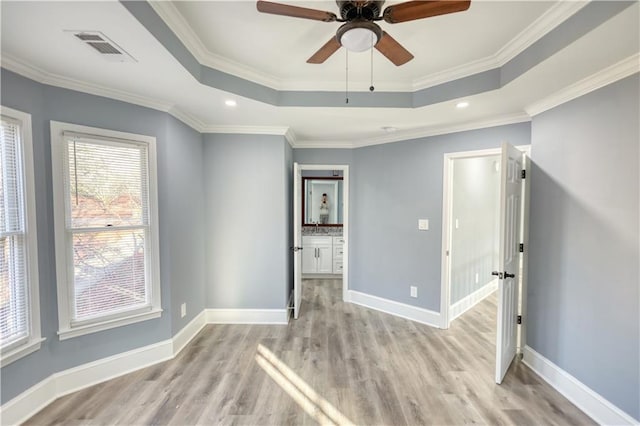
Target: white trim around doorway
[(345, 218), (445, 288)]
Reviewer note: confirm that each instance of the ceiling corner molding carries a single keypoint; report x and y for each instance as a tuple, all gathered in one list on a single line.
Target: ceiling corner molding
[(187, 119), (455, 73), (550, 19), (402, 136), (502, 120), (15, 65), (328, 144), (606, 76), (181, 28), (290, 136), (246, 130), (44, 77)]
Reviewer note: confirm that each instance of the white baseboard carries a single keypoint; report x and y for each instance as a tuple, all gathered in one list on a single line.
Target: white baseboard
[(586, 399), (188, 332), (398, 309), (247, 316), (468, 302), (29, 402)]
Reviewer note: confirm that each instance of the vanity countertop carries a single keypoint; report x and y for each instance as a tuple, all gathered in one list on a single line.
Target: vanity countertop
[(330, 231)]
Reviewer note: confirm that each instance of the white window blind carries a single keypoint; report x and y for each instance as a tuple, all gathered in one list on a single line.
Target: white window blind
[(14, 276), (107, 223)]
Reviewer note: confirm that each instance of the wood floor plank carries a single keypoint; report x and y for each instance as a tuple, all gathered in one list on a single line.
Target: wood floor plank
[(338, 363)]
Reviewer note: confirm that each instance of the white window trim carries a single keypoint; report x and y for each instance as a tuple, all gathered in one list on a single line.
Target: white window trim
[(35, 339), (66, 329)]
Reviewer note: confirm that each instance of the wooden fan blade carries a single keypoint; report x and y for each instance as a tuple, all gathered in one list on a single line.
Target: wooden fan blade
[(325, 51), (393, 50), (420, 9), (294, 11)]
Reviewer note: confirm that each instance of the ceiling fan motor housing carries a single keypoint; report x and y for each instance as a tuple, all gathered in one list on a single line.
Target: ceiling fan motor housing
[(367, 10)]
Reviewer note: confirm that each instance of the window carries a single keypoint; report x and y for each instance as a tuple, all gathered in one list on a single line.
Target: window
[(106, 228), (19, 299)]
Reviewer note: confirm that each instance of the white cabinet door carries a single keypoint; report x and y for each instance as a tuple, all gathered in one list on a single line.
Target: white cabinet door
[(309, 260), (325, 259)]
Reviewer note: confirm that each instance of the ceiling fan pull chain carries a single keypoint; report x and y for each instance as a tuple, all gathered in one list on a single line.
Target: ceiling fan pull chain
[(346, 79), (371, 88)]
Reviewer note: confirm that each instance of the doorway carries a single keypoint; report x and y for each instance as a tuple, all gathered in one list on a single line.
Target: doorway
[(320, 226), (485, 212)]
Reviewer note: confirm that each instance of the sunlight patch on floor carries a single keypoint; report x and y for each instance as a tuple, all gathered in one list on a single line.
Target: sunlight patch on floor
[(308, 399)]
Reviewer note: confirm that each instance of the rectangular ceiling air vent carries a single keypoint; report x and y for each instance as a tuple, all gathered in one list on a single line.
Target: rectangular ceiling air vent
[(101, 44)]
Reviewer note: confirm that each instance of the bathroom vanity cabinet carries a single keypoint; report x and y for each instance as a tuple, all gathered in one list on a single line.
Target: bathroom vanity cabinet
[(322, 254)]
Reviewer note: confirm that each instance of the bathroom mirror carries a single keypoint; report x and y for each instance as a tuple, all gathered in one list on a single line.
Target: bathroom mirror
[(322, 201)]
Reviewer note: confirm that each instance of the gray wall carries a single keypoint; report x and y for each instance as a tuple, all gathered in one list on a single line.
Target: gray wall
[(394, 185), (46, 103), (185, 216), (583, 289), (474, 243), (246, 213)]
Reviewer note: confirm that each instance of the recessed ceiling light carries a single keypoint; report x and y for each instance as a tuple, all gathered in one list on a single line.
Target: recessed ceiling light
[(230, 103), (461, 105), (389, 129)]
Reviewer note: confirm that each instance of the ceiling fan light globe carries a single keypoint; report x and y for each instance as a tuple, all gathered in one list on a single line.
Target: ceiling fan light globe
[(358, 39)]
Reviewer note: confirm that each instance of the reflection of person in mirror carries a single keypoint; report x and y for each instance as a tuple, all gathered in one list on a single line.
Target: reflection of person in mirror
[(324, 209)]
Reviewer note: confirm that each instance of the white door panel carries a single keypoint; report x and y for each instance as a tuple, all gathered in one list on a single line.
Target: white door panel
[(297, 240), (508, 260)]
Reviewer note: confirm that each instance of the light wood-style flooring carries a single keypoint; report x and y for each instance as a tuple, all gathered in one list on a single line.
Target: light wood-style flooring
[(338, 364)]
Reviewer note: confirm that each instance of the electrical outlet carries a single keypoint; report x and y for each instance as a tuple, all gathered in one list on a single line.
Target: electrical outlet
[(414, 291), (423, 224), (183, 310), (477, 278)]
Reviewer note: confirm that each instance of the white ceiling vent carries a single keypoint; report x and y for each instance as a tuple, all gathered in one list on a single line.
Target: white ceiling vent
[(101, 44)]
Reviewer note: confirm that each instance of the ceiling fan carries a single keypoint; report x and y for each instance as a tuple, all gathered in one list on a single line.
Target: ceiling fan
[(359, 31)]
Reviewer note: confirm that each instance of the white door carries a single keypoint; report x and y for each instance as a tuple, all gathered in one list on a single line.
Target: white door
[(508, 259), (297, 240)]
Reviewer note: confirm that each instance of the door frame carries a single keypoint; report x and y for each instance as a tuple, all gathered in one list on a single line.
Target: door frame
[(345, 215), (447, 187)]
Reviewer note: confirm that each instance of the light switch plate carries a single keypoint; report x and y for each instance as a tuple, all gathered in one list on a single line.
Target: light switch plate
[(423, 224)]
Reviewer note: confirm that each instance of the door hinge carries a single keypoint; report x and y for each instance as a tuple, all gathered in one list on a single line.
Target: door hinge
[(519, 320), (521, 248), (523, 174)]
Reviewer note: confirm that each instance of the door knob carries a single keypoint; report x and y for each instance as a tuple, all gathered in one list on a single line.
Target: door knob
[(497, 274), (508, 275), (295, 248)]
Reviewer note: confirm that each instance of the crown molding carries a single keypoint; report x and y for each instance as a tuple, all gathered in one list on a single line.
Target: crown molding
[(51, 79), (422, 132), (287, 132), (246, 130), (549, 20), (611, 74), (44, 77), (187, 119), (181, 28), (455, 73)]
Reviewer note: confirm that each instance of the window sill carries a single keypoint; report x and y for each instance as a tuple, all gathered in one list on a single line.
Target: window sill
[(19, 352), (106, 325)]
